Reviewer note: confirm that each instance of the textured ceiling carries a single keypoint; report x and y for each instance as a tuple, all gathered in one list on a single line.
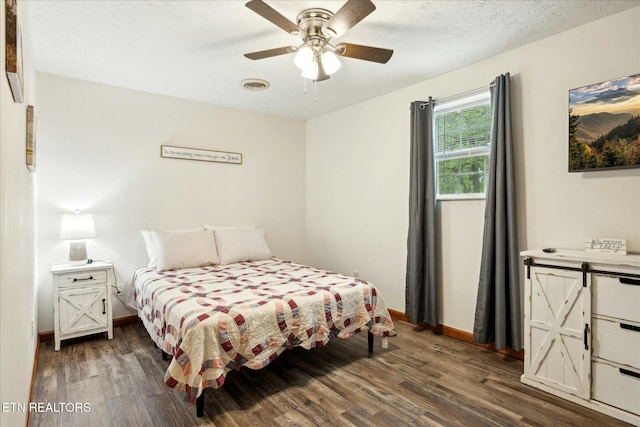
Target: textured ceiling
[(194, 49)]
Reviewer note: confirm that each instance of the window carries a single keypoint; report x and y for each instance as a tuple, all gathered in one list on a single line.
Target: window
[(461, 146)]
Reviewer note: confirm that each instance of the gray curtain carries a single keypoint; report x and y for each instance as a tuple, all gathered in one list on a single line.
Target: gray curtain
[(498, 315), (421, 298)]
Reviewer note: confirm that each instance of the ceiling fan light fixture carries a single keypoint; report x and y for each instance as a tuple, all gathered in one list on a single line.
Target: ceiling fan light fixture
[(317, 58), (304, 57), (330, 62), (311, 71)]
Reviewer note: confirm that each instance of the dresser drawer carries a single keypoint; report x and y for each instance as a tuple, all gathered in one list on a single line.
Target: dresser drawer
[(616, 297), (615, 388), (616, 341), (81, 278)]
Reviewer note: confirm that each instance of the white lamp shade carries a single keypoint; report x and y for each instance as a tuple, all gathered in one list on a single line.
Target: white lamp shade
[(75, 226), (330, 62), (303, 58), (311, 72)]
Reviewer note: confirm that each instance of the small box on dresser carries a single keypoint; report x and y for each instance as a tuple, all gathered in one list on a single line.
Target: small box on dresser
[(582, 329), (82, 300)]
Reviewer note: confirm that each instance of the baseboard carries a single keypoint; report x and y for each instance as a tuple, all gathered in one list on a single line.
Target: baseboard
[(46, 336), (120, 321), (398, 315), (468, 337), (124, 321), (33, 378), (458, 334)]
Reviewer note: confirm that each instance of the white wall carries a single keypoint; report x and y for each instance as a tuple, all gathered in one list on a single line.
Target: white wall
[(100, 152), (17, 236), (358, 169)]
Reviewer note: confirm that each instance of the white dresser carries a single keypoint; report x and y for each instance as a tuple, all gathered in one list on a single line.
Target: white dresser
[(582, 329)]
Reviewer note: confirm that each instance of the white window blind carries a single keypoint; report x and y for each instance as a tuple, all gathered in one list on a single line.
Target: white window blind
[(462, 132)]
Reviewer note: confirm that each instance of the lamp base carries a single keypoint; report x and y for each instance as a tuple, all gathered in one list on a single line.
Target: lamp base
[(77, 253)]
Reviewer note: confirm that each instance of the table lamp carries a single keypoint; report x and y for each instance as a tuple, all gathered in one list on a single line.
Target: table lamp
[(74, 227)]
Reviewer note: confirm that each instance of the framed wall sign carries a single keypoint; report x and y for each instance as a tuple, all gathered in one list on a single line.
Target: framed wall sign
[(185, 153), (13, 50), (31, 138)]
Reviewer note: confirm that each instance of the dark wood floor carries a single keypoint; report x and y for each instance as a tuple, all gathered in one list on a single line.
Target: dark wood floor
[(421, 380)]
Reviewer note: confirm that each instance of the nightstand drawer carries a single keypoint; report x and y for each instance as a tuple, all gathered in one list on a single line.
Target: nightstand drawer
[(616, 297), (616, 341), (616, 386), (82, 278)]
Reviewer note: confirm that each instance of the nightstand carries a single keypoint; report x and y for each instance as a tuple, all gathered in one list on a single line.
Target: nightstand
[(82, 300)]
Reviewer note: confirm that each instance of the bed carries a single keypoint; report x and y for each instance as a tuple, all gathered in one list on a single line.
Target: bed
[(220, 317)]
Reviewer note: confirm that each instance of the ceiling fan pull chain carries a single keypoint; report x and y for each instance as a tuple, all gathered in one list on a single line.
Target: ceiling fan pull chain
[(315, 91)]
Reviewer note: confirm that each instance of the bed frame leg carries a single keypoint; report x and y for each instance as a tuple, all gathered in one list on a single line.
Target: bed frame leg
[(200, 405), (370, 338)]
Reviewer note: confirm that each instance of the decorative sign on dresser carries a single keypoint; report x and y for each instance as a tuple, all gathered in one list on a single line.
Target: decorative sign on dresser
[(582, 329), (604, 245)]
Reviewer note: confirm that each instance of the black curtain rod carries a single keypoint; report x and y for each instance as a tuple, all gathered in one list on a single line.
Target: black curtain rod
[(462, 95)]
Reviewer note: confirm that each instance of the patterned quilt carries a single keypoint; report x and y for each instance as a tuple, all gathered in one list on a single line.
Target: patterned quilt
[(217, 318)]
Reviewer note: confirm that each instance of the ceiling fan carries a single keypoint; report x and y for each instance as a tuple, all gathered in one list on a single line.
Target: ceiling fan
[(317, 57)]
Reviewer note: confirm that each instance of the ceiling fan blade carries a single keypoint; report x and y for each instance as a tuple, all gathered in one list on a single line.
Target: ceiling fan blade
[(367, 53), (352, 12), (270, 52), (272, 15)]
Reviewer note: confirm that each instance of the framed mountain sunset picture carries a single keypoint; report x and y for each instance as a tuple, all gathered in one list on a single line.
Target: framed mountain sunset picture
[(604, 125)]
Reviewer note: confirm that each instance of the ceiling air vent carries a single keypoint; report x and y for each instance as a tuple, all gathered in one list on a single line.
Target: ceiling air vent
[(255, 84)]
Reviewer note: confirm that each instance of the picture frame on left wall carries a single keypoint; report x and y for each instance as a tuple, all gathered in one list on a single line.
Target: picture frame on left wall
[(31, 138), (13, 50)]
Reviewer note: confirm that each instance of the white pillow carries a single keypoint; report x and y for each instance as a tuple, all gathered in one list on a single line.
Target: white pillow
[(150, 242), (241, 244), (151, 249), (185, 249)]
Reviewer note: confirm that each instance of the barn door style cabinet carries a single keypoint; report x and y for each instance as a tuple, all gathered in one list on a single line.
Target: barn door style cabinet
[(82, 300), (582, 329)]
